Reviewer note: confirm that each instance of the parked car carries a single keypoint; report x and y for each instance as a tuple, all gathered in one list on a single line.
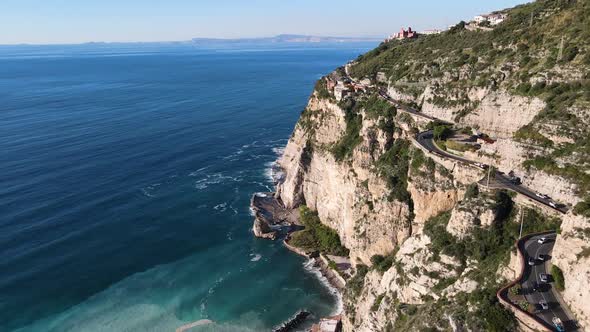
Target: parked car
[(543, 196), (553, 204), (543, 240), (543, 257), (544, 305), (543, 277), (558, 324), (532, 261)]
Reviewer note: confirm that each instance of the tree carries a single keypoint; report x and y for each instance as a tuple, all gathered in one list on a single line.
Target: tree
[(442, 132)]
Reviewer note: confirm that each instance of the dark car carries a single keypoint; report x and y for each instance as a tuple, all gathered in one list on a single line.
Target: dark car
[(532, 261), (542, 257)]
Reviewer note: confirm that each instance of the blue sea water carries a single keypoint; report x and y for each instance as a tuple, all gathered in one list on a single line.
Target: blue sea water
[(126, 174)]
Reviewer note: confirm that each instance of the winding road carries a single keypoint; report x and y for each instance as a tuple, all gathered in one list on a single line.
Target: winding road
[(532, 248), (545, 291), (497, 180)]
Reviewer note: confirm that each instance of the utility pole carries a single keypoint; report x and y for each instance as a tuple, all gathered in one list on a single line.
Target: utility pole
[(521, 221), (560, 54)]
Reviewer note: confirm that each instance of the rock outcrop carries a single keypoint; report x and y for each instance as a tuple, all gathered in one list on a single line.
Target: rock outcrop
[(572, 255)]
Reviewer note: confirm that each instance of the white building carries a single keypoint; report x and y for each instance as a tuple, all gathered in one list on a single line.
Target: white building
[(494, 19), (340, 91), (430, 32)]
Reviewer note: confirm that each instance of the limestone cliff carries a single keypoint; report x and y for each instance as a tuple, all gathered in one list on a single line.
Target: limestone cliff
[(430, 246)]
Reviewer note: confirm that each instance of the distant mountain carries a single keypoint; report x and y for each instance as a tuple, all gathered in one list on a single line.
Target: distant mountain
[(286, 39)]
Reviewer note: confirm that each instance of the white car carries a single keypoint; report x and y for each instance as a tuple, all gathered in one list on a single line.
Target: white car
[(531, 261), (543, 277), (544, 305), (542, 196), (553, 204), (543, 240)]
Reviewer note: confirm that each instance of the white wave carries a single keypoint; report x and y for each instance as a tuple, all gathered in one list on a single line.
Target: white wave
[(252, 212), (146, 192), (220, 207), (310, 267), (279, 150), (256, 257), (215, 178), (195, 173)]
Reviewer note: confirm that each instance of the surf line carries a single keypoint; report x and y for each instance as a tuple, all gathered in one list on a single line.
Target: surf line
[(194, 324)]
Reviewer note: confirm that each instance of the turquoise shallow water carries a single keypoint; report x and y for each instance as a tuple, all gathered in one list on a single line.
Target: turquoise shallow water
[(126, 177)]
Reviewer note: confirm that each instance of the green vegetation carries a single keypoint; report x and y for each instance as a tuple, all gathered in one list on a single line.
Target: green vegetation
[(573, 173), (317, 236), (382, 263), (528, 133), (322, 89), (540, 51), (453, 145), (478, 311), (422, 165), (558, 278), (377, 302), (440, 131), (584, 253), (375, 107), (354, 285), (489, 246), (393, 167), (471, 191), (351, 138), (583, 208), (516, 289)]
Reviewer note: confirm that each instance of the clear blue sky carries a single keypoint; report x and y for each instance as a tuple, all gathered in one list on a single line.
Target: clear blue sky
[(75, 21)]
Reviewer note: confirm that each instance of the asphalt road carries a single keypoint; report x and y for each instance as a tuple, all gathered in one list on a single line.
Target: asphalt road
[(498, 180), (545, 291)]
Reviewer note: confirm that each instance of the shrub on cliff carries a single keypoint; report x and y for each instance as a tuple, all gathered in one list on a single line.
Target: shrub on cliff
[(583, 208), (317, 236), (393, 166), (351, 138), (382, 263), (558, 278), (322, 89)]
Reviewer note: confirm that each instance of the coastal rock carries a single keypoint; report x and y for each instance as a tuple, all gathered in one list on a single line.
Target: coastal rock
[(572, 254)]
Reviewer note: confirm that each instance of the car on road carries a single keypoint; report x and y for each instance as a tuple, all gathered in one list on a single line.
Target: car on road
[(532, 261), (542, 257), (482, 165), (553, 204), (558, 324), (544, 277), (544, 305), (543, 240), (515, 180), (542, 196)]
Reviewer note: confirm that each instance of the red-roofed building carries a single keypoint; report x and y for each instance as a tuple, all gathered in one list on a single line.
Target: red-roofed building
[(403, 34)]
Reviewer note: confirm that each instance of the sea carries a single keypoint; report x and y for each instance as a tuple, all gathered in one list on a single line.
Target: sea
[(126, 172)]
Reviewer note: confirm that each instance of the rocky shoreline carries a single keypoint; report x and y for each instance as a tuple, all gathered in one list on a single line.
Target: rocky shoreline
[(272, 220)]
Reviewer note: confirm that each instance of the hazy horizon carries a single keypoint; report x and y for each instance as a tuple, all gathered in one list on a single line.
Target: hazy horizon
[(71, 22)]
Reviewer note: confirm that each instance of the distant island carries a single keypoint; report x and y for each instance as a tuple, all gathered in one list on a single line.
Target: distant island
[(286, 38)]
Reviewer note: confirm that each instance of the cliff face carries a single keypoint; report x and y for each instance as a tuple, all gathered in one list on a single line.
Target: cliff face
[(572, 255), (430, 247), (348, 197)]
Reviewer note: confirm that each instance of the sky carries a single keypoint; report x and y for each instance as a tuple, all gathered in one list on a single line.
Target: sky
[(78, 21)]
